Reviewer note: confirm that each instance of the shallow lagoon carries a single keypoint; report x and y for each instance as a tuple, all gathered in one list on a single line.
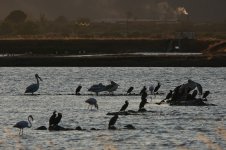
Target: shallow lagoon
[(165, 128)]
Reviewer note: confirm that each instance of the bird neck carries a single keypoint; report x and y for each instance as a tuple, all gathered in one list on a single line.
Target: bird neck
[(37, 80), (30, 124)]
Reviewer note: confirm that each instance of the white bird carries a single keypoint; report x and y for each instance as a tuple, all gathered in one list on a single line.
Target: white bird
[(151, 89), (97, 88), (91, 102), (111, 87), (33, 87), (24, 124), (191, 85)]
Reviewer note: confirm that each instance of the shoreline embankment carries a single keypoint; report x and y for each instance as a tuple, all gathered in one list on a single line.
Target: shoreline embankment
[(38, 53)]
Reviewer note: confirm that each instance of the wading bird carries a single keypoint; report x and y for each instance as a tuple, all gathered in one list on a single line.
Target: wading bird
[(92, 102), (97, 88), (111, 87), (24, 124), (33, 87)]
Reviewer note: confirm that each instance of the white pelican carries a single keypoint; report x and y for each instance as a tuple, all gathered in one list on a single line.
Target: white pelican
[(24, 124), (92, 101), (97, 88), (33, 87), (111, 87)]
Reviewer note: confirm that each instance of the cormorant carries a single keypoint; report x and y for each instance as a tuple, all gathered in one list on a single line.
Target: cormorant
[(124, 106), (112, 122)]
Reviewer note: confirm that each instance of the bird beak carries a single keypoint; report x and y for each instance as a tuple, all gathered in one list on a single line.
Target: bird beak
[(40, 78)]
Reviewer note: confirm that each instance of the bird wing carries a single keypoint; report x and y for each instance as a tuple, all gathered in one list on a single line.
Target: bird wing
[(32, 88), (21, 124), (199, 87)]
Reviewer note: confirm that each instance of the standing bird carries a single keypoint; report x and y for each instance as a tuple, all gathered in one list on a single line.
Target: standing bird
[(157, 87), (194, 94), (151, 89), (97, 88), (111, 87), (206, 93), (143, 90), (24, 124), (168, 96), (130, 90), (78, 90), (33, 87), (112, 122), (52, 119), (143, 101), (57, 119), (92, 101), (124, 106)]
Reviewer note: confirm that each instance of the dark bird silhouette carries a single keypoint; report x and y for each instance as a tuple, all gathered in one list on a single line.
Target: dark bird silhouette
[(142, 103), (124, 106), (194, 94), (157, 87), (112, 122), (91, 102), (143, 100), (33, 87), (168, 96), (24, 124), (57, 119), (206, 93), (78, 89), (52, 118), (143, 90), (144, 95), (130, 90)]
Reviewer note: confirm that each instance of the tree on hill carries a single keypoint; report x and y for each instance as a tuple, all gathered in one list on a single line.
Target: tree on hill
[(16, 16)]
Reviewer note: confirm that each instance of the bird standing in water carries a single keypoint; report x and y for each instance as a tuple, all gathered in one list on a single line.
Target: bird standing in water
[(130, 90), (124, 106), (78, 89), (33, 87), (143, 90), (24, 124), (112, 122), (92, 101), (52, 119)]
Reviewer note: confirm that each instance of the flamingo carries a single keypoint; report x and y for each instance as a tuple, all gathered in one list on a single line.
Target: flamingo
[(92, 101), (35, 86), (24, 124)]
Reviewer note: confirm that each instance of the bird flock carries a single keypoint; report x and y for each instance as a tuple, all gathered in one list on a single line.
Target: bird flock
[(184, 92)]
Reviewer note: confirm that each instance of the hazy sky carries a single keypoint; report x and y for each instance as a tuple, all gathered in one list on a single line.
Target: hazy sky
[(203, 10)]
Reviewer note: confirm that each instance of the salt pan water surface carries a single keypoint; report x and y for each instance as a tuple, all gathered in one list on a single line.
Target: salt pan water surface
[(166, 127)]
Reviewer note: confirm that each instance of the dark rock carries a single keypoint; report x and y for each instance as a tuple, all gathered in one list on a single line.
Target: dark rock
[(41, 128)]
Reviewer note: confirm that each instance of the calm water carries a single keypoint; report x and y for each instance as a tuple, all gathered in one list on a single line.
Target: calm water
[(165, 128)]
